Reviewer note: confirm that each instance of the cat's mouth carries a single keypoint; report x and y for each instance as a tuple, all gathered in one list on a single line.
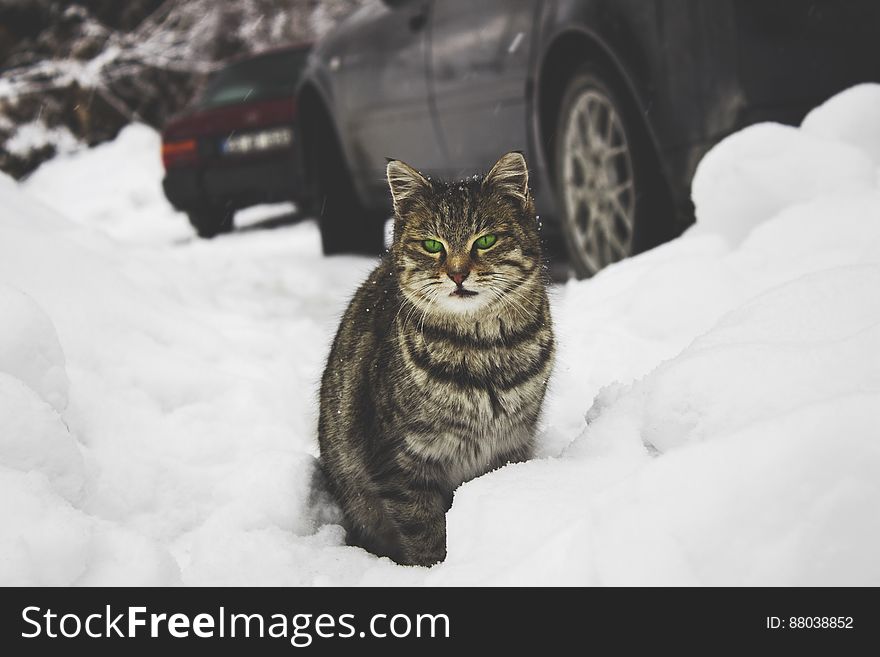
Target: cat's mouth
[(461, 292)]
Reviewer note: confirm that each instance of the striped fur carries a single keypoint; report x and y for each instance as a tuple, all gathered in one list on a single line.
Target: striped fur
[(425, 387)]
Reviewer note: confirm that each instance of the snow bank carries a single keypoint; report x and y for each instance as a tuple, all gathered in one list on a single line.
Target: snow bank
[(191, 400), (850, 117), (768, 167), (732, 438), (33, 438), (712, 418), (116, 186), (29, 347)]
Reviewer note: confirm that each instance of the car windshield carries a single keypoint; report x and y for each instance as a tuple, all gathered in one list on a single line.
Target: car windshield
[(267, 76)]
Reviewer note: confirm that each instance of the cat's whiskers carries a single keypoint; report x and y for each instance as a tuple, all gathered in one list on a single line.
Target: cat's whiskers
[(498, 297), (515, 305), (413, 307), (404, 303), (531, 303), (528, 307), (502, 299), (434, 297), (413, 310), (518, 287), (512, 292)]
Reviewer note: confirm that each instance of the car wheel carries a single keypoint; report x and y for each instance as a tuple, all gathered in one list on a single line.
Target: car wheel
[(607, 184), (210, 222), (346, 225)]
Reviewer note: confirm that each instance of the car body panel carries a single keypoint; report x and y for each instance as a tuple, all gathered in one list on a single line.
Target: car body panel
[(479, 71), (381, 94)]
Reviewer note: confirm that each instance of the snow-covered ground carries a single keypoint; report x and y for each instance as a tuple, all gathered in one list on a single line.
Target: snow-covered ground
[(713, 418)]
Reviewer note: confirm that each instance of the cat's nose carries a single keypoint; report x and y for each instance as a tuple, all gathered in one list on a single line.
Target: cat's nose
[(459, 276)]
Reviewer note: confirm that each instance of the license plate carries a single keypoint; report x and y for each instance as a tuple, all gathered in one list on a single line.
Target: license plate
[(250, 142)]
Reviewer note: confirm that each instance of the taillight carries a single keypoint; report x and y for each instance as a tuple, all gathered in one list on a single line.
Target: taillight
[(179, 152)]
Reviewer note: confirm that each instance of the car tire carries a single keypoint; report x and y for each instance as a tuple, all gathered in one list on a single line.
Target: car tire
[(210, 222), (612, 196), (347, 226)]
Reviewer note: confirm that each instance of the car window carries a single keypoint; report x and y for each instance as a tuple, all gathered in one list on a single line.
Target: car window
[(268, 76)]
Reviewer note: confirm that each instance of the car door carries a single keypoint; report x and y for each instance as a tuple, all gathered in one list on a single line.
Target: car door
[(384, 93), (478, 72)]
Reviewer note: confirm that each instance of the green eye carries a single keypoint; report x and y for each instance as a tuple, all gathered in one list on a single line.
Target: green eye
[(432, 246), (486, 241)]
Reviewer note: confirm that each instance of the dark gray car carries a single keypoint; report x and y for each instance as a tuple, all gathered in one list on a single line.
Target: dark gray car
[(613, 102)]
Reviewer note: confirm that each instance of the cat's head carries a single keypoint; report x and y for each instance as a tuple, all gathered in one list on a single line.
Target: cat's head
[(464, 247)]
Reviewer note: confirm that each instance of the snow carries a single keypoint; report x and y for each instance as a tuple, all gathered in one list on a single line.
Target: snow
[(766, 168), (29, 348), (711, 420), (35, 439), (848, 117), (36, 134), (115, 187)]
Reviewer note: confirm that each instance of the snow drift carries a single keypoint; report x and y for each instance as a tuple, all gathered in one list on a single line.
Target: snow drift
[(712, 418)]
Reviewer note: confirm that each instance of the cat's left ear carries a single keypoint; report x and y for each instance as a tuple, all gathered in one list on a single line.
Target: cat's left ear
[(510, 176)]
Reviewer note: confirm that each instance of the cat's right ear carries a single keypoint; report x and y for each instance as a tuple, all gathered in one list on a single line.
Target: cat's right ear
[(406, 184)]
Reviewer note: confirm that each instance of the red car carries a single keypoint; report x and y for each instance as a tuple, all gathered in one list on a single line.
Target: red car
[(237, 146)]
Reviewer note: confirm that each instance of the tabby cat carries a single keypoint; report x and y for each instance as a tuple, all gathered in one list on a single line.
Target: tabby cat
[(440, 363)]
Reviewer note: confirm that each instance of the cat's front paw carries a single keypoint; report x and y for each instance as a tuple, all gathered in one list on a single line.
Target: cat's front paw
[(428, 551), (425, 557)]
